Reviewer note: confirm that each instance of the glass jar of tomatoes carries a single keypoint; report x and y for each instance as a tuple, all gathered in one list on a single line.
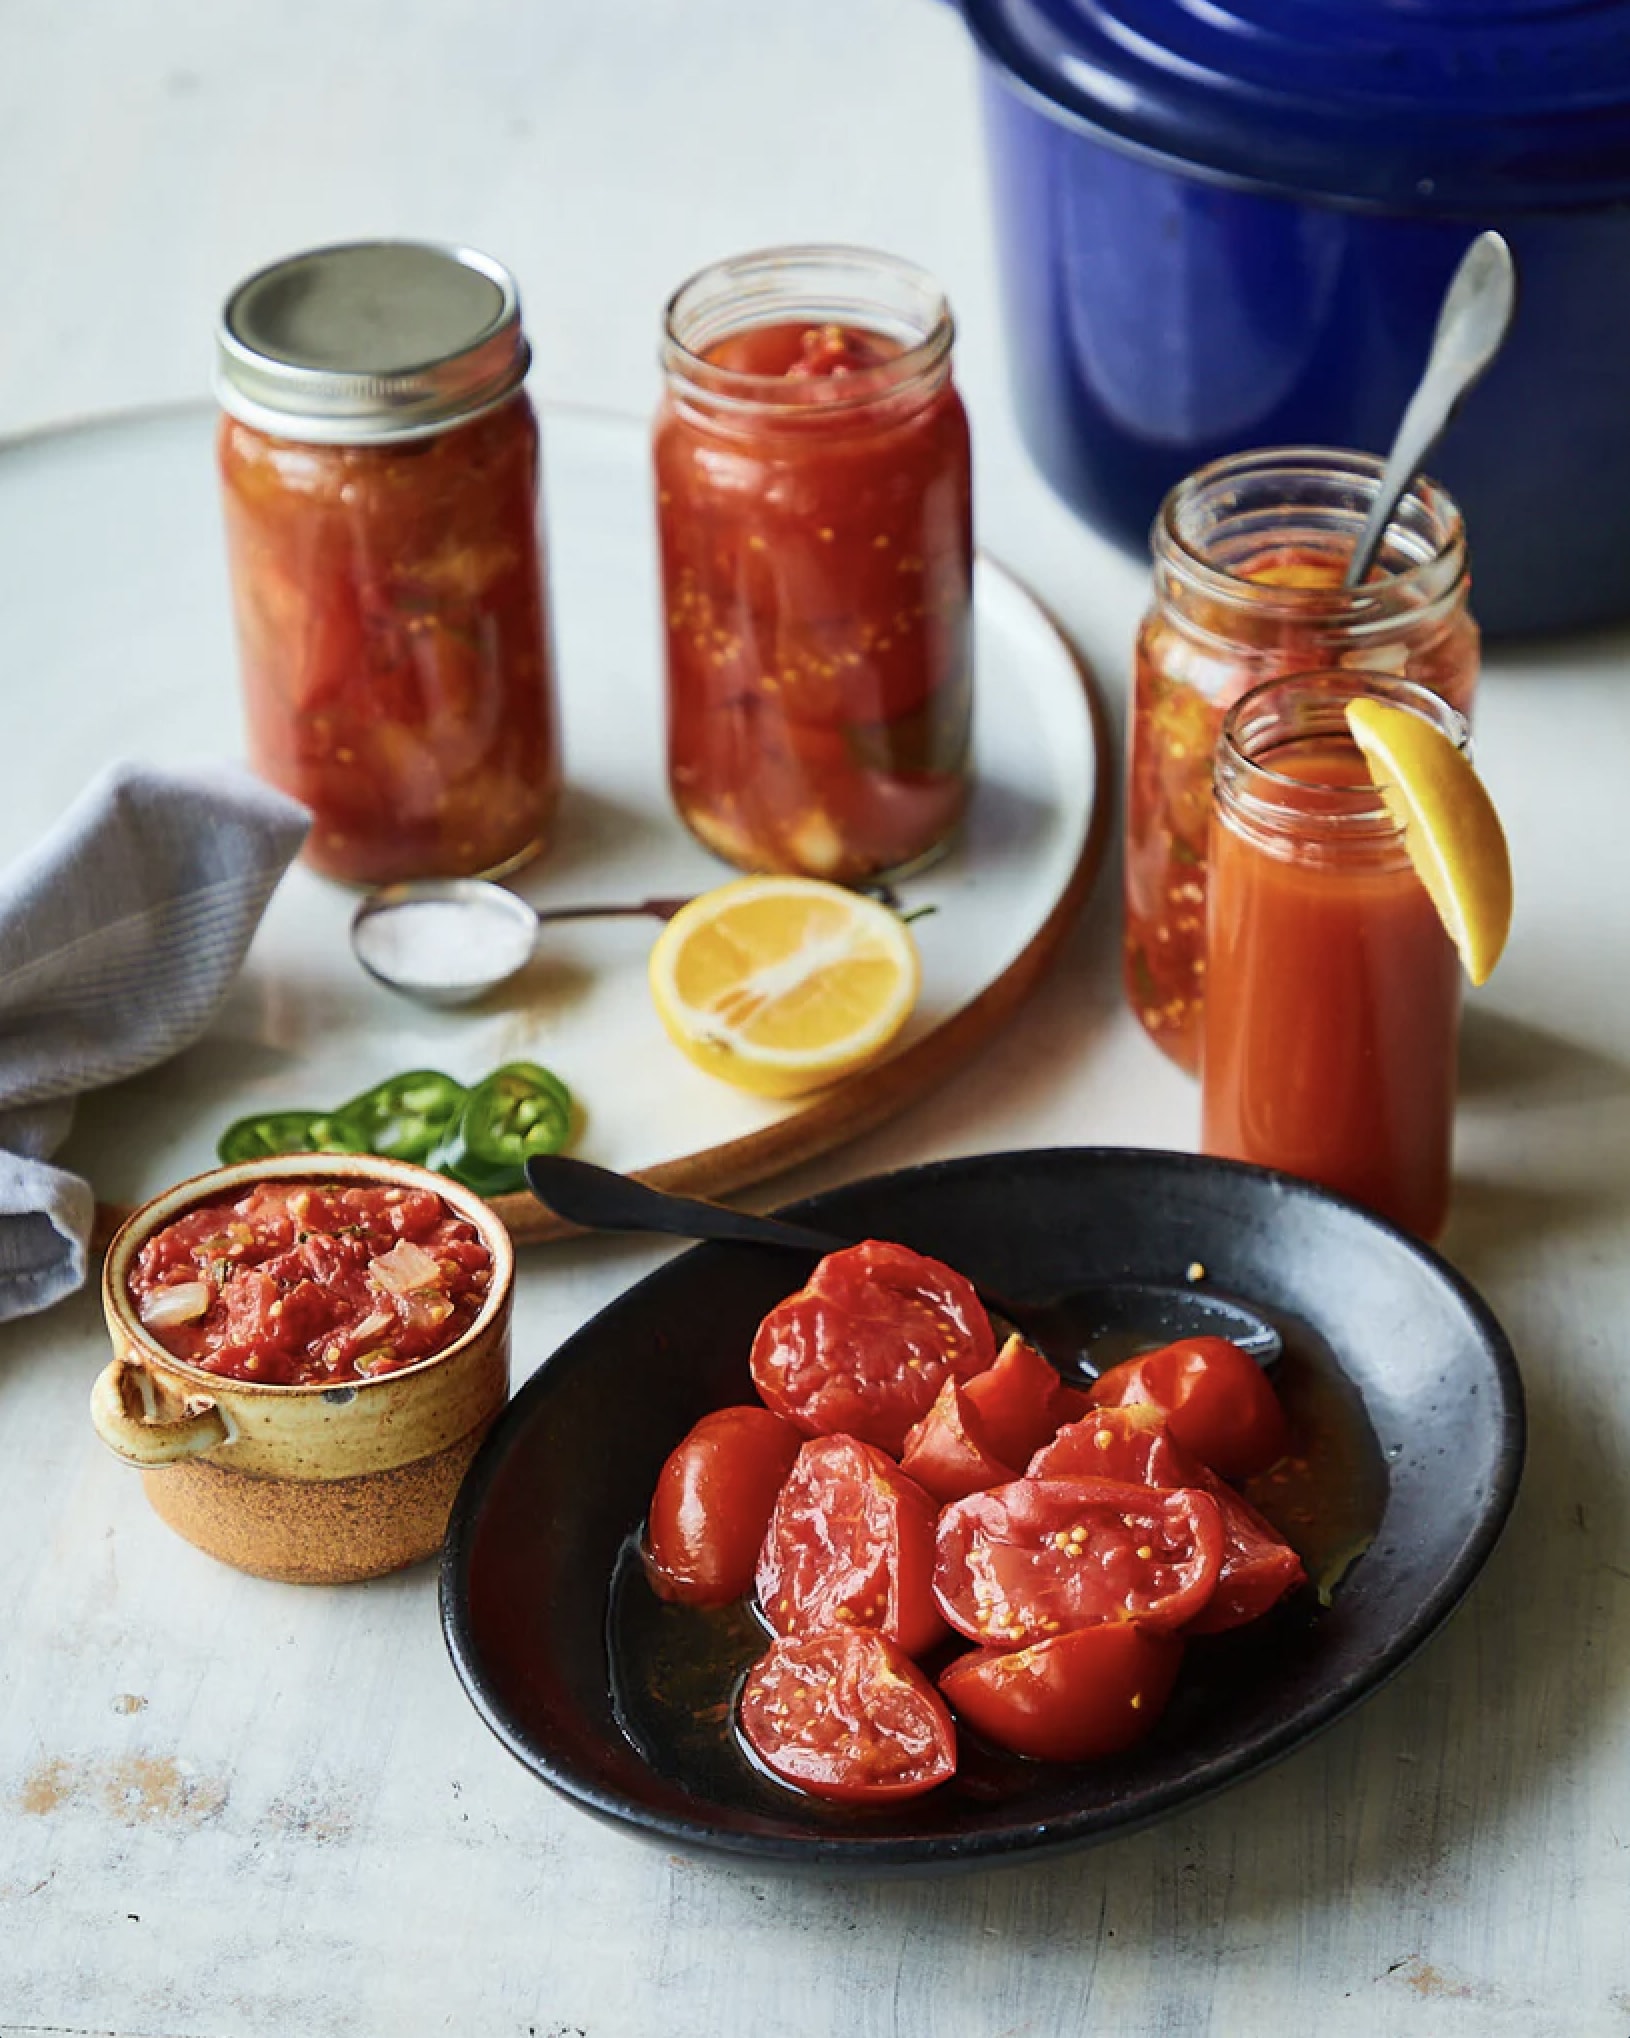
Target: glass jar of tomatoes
[(815, 523), (1249, 555), (379, 463), (1332, 1001)]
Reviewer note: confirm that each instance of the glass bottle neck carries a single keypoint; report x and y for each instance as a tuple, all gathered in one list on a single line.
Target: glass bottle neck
[(1289, 777)]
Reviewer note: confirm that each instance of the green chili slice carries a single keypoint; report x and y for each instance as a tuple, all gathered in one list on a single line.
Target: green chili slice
[(273, 1132), (519, 1110), (406, 1117)]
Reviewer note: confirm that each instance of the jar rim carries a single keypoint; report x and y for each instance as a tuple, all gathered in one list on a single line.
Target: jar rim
[(1425, 540), (1250, 790), (824, 283)]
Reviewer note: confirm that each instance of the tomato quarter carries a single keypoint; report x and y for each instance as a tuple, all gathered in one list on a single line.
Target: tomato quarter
[(847, 1715), (1258, 1566), (861, 1350), (948, 1453), (1044, 1556), (1072, 1698), (1132, 1444), (1021, 1401), (712, 1504), (1216, 1400), (850, 1544)]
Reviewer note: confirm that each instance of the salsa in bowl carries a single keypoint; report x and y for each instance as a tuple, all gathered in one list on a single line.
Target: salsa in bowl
[(307, 1351)]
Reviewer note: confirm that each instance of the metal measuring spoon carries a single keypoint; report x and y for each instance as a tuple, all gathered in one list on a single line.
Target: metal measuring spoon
[(448, 941), (1083, 1332), (1476, 313)]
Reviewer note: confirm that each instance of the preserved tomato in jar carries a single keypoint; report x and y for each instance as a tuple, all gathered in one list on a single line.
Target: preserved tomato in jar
[(379, 467), (815, 523), (1249, 555)]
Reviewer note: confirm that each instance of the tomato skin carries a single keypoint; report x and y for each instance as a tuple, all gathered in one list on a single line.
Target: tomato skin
[(1044, 1556), (713, 1501), (862, 1348), (1020, 1400), (850, 1544), (948, 1453), (1072, 1698), (1216, 1400), (847, 1715), (1258, 1566)]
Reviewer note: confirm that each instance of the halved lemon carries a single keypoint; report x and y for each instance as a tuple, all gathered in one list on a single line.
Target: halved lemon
[(783, 984), (1450, 828)]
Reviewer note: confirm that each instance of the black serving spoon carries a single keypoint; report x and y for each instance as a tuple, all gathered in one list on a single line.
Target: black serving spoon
[(1082, 1333)]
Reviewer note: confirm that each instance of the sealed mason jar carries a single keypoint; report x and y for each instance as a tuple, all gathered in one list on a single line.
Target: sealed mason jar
[(379, 466), (815, 522), (1249, 555), (1332, 1003)]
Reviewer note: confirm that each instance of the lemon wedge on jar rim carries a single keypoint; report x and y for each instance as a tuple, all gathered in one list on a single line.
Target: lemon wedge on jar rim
[(781, 985), (1450, 829)]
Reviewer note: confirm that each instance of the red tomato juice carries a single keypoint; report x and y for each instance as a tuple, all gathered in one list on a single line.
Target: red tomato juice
[(1331, 1009)]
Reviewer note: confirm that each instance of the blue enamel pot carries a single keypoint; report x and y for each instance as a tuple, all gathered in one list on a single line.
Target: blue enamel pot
[(1229, 223)]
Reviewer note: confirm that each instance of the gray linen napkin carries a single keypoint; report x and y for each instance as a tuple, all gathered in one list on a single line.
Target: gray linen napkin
[(119, 935)]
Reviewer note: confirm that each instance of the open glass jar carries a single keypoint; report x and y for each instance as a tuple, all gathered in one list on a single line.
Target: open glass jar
[(379, 467), (1332, 1003), (1249, 555), (814, 515)]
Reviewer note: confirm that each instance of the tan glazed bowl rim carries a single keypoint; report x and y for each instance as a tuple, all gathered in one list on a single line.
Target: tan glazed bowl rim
[(234, 1179)]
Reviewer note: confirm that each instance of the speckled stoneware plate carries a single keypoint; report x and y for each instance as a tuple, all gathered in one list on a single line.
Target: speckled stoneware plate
[(1403, 1392)]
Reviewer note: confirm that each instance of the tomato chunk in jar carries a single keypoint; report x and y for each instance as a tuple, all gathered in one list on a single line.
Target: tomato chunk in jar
[(1249, 558), (815, 524), (387, 575), (293, 1284)]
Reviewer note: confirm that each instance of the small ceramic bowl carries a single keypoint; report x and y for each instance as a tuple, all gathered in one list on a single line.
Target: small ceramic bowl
[(314, 1485)]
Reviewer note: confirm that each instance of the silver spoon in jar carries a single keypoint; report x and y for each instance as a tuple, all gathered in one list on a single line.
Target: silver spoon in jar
[(1473, 322), (448, 941)]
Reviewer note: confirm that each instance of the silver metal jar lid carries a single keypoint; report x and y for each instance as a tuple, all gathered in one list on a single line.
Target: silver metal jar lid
[(372, 341)]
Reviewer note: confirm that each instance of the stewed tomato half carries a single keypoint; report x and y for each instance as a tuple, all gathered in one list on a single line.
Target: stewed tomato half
[(1072, 1698), (713, 1501), (1216, 1400), (1045, 1556), (862, 1348), (846, 1714), (850, 1544)]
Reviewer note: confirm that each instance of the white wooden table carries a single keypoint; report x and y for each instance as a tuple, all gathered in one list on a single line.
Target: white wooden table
[(233, 1808)]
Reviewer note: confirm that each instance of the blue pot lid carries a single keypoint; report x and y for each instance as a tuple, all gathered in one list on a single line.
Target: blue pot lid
[(1472, 108)]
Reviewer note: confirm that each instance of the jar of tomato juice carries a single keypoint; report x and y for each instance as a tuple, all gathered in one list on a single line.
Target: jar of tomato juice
[(1332, 1002), (379, 463), (1249, 555), (815, 523)]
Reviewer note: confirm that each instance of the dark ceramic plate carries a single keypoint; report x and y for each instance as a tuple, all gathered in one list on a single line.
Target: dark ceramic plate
[(1402, 1386)]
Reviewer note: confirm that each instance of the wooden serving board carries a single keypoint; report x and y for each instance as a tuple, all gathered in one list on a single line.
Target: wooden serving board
[(129, 506)]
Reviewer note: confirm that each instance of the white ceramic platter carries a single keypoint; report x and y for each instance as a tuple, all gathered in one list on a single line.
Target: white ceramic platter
[(115, 639)]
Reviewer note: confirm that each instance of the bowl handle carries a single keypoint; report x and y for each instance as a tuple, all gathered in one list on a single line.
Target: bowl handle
[(132, 1420)]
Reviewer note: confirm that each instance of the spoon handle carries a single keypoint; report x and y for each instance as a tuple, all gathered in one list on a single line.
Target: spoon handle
[(1476, 312), (601, 1200), (649, 909)]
